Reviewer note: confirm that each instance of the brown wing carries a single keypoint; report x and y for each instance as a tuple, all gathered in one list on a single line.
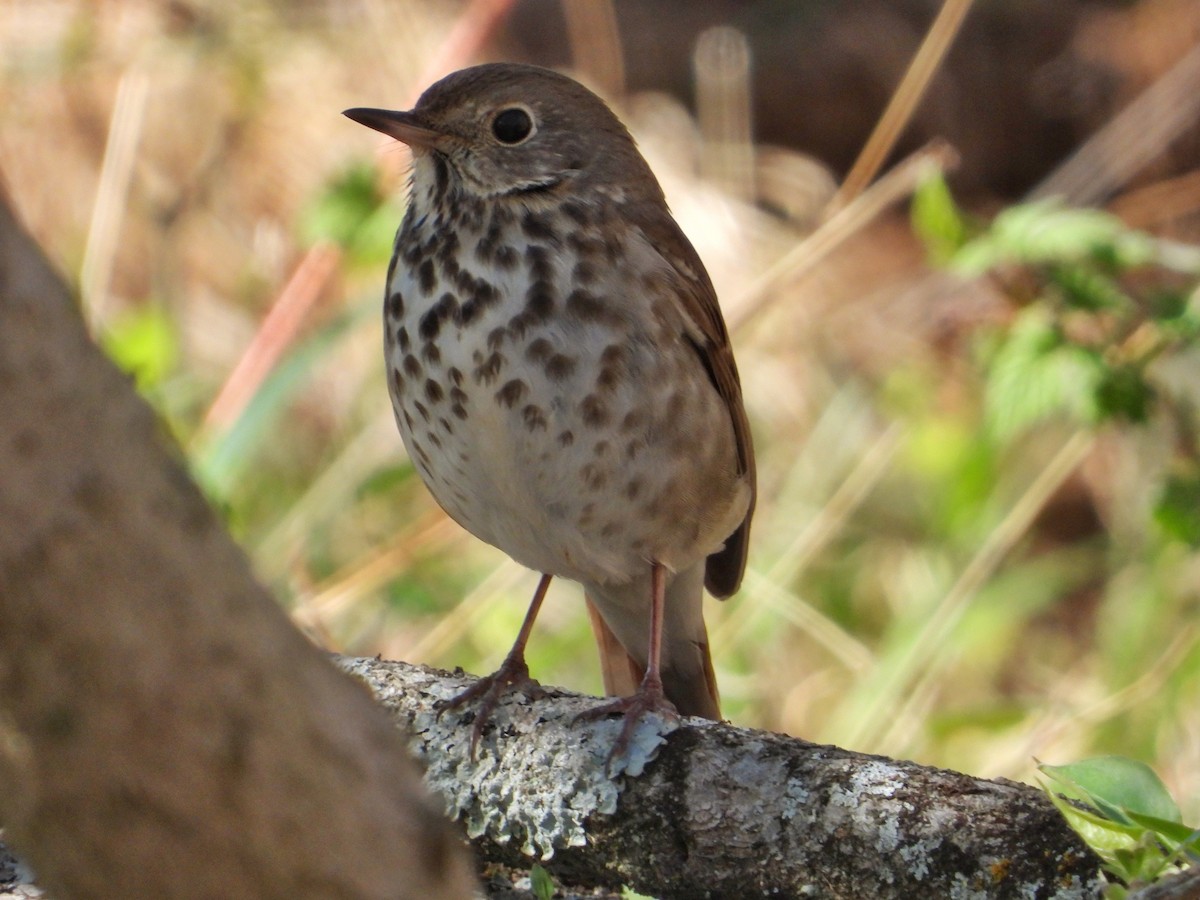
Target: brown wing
[(724, 569)]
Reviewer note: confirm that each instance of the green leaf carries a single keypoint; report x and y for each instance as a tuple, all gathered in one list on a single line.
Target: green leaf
[(1047, 232), (352, 213), (1082, 287), (1177, 511), (541, 882), (1115, 786), (144, 343), (1173, 833), (936, 218), (1124, 393), (1102, 835), (1034, 375)]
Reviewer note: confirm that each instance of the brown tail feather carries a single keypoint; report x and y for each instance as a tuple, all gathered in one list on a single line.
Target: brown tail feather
[(690, 684), (620, 671)]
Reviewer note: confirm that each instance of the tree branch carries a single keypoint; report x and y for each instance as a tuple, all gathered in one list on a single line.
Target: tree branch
[(726, 812)]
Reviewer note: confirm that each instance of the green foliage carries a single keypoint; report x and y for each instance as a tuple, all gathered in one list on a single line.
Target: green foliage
[(1177, 510), (1046, 233), (144, 343), (351, 212), (541, 883), (1036, 374), (936, 219), (1124, 813), (1098, 306)]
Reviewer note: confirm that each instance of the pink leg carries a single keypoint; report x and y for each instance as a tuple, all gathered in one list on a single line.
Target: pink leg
[(513, 674), (649, 696)]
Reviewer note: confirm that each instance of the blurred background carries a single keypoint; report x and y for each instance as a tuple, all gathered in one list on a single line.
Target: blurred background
[(979, 493)]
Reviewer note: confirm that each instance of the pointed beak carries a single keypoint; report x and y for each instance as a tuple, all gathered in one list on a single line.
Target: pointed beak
[(403, 126)]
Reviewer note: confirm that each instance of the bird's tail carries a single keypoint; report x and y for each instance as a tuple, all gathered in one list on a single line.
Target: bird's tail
[(620, 619)]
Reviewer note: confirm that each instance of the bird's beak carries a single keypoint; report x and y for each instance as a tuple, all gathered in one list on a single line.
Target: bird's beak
[(403, 126)]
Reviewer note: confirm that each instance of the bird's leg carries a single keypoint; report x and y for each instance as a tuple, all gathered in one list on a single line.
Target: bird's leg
[(649, 697), (513, 674)]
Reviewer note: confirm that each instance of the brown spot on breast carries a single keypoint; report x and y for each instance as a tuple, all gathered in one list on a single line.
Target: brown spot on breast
[(566, 438), (402, 338), (421, 409), (468, 312), (447, 246), (539, 350), (586, 306), (397, 381), (486, 247), (431, 322), (536, 226), (506, 258), (539, 306), (559, 367), (537, 258), (486, 293), (427, 277), (576, 211), (584, 273), (633, 420), (459, 410), (395, 305), (431, 354), (608, 378), (458, 395), (633, 488), (594, 411), (593, 476), (455, 375), (446, 426), (614, 355), (495, 338), (600, 448), (539, 299), (408, 420), (413, 251), (585, 243), (412, 367), (464, 281), (511, 393), (489, 370), (535, 418), (470, 213), (609, 530), (435, 440), (433, 391)]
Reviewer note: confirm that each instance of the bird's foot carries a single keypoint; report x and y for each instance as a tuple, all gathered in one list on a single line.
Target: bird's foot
[(648, 698), (513, 675)]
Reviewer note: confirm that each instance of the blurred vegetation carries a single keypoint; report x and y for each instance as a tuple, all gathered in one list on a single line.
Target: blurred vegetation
[(1125, 813), (977, 535)]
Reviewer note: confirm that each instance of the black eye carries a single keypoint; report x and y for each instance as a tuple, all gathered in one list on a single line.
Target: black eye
[(512, 126)]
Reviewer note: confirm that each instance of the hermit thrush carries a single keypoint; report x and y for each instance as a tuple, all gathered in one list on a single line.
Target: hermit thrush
[(561, 374)]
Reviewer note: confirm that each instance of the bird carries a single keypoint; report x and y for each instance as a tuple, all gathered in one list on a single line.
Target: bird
[(562, 376)]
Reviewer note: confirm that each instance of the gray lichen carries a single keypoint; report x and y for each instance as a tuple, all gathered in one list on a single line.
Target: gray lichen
[(495, 794)]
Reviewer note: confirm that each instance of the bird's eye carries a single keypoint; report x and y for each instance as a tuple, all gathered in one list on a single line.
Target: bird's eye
[(511, 126)]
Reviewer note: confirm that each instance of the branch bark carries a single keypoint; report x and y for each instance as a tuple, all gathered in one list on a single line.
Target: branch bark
[(721, 811), (164, 730)]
